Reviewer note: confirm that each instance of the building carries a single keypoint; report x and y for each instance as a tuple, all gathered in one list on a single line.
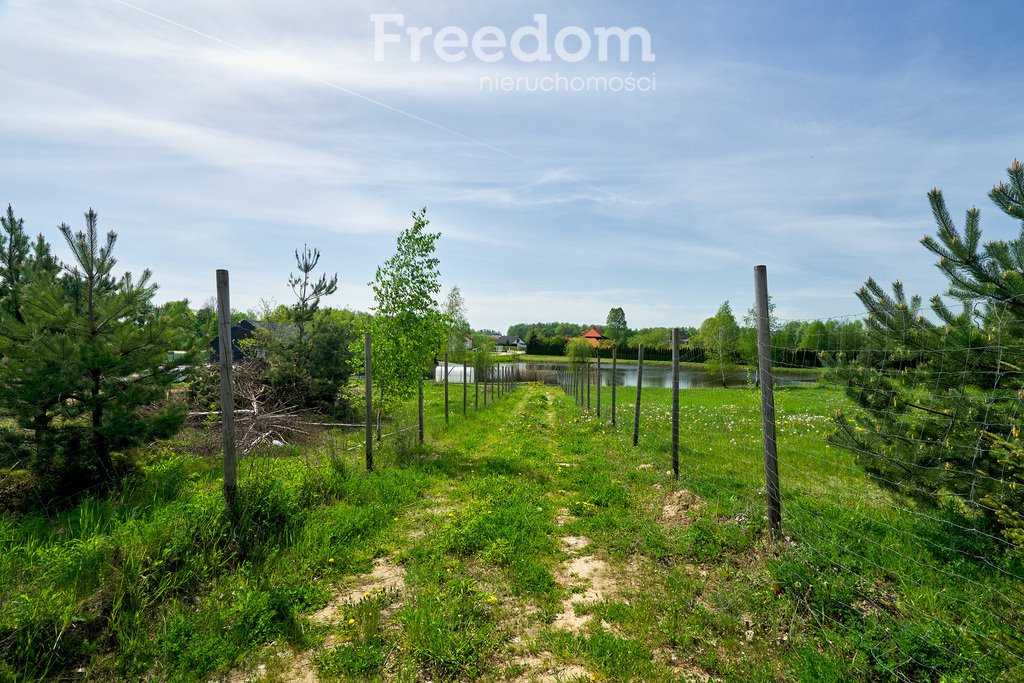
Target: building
[(595, 338), (505, 343)]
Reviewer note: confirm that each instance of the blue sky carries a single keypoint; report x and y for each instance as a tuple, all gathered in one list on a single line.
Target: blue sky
[(800, 135)]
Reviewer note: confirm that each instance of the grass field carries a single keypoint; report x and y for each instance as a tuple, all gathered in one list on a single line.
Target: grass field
[(527, 541)]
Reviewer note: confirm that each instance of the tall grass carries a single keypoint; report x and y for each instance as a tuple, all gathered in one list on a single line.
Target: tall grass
[(159, 579), (865, 584)]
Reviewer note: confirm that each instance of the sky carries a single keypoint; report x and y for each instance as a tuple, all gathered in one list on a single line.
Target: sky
[(799, 135)]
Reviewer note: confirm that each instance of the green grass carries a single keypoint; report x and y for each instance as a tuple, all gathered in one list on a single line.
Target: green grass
[(157, 580)]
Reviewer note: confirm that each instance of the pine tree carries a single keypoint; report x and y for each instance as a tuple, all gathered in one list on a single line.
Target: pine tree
[(14, 262), (87, 364), (307, 291), (939, 403)]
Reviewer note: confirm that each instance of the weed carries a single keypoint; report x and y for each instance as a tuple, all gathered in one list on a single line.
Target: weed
[(449, 628)]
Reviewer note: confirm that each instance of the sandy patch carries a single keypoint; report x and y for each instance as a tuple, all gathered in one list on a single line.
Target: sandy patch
[(539, 670), (678, 508), (569, 672), (564, 517), (591, 581), (298, 667), (682, 671), (386, 576), (575, 544)]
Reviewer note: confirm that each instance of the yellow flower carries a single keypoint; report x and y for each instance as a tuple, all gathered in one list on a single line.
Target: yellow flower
[(492, 598), (351, 621), (330, 561)]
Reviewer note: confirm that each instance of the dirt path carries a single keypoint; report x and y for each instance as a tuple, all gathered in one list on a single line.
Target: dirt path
[(583, 573)]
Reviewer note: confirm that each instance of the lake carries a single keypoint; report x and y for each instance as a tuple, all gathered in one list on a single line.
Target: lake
[(661, 375)]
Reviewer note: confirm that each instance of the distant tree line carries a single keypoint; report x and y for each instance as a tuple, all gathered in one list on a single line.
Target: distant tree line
[(795, 343)]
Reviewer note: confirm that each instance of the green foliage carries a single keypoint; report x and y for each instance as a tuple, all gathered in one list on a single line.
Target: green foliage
[(308, 350), (482, 356), (311, 373), (407, 326), (147, 580), (747, 342), (365, 645), (616, 328), (179, 315), (307, 291), (449, 628), (652, 338), (719, 337), (359, 659), (456, 325), (267, 514), (14, 262), (620, 659), (16, 488), (579, 350), (87, 363), (937, 414), (547, 330)]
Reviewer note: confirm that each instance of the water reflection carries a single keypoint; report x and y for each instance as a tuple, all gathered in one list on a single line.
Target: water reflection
[(661, 375)]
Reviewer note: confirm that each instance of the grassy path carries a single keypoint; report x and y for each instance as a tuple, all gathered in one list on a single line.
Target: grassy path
[(547, 548), (524, 560), (525, 542)]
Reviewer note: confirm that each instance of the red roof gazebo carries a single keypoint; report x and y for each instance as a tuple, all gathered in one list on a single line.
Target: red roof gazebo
[(594, 336)]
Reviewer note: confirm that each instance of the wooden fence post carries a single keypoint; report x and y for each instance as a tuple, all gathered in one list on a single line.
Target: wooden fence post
[(419, 408), (614, 382), (446, 389), (599, 381), (368, 366), (588, 384), (476, 388), (639, 386), (465, 388), (227, 394), (764, 370), (675, 403)]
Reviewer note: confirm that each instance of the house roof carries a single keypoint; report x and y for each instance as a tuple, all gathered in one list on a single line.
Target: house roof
[(593, 333), (506, 340)]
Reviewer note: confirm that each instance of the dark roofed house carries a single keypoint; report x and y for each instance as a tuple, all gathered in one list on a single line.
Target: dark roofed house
[(243, 330), (506, 343)]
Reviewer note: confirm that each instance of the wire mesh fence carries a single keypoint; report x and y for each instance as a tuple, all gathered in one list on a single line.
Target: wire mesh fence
[(900, 472)]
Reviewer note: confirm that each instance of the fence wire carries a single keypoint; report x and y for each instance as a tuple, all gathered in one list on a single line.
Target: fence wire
[(900, 477)]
